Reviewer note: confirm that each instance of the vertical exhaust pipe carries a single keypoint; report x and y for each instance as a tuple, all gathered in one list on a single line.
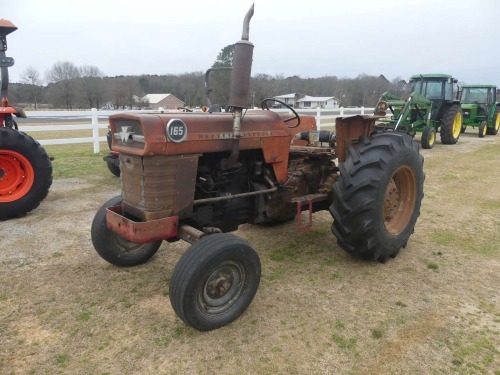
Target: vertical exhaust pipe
[(240, 85)]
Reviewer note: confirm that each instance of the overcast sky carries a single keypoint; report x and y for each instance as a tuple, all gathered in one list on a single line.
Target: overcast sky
[(306, 38)]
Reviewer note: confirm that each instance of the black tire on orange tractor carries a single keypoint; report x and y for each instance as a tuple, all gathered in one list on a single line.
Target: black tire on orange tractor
[(377, 197), (25, 173), (114, 248), (214, 281)]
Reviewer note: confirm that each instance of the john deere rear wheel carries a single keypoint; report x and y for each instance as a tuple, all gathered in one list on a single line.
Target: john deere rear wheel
[(451, 125), (25, 173), (377, 197), (496, 125)]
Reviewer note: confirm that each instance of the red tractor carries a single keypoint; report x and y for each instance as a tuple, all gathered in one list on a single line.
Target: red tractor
[(25, 168), (197, 176)]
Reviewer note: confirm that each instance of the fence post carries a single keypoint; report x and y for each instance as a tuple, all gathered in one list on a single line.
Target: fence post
[(318, 117), (341, 111), (95, 130), (362, 110)]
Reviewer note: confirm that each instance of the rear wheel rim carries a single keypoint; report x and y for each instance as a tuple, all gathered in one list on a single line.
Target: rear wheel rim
[(399, 202), (16, 176), (457, 125), (497, 122)]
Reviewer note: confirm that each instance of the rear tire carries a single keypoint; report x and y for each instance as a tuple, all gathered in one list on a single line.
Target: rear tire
[(482, 129), (428, 137), (114, 248), (25, 173), (377, 197), (214, 281), (495, 125), (451, 124)]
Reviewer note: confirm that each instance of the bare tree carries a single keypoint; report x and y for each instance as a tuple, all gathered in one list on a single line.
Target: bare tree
[(92, 85), (63, 76), (32, 77)]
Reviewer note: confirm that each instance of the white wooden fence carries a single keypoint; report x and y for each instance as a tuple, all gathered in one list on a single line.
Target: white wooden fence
[(324, 117)]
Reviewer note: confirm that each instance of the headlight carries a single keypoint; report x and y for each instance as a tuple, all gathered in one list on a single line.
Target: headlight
[(382, 106)]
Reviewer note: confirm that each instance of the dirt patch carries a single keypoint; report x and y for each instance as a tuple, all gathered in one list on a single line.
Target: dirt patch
[(433, 309)]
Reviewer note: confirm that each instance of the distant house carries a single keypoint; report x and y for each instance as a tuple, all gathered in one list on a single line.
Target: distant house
[(329, 102), (166, 101), (290, 99)]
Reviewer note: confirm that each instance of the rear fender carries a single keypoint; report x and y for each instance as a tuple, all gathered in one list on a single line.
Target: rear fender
[(349, 130)]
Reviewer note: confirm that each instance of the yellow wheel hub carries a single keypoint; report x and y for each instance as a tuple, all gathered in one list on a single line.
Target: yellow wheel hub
[(497, 122), (457, 125)]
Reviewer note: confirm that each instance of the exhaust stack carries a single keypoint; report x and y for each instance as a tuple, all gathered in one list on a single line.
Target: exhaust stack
[(240, 86)]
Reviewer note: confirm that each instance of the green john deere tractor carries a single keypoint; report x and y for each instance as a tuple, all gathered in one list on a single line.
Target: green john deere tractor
[(429, 109), (480, 108)]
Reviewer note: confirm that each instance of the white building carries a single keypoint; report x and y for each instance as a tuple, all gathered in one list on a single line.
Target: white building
[(329, 102), (290, 99)]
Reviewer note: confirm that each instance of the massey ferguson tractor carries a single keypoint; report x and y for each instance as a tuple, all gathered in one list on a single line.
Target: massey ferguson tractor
[(197, 176), (429, 109), (25, 168)]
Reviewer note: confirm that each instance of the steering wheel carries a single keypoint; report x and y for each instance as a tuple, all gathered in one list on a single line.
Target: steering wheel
[(296, 116)]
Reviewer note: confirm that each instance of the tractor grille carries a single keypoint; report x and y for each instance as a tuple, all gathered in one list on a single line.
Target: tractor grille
[(159, 186)]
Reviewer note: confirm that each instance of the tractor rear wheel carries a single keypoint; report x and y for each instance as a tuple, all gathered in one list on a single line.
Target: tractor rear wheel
[(377, 197), (214, 281), (114, 248), (496, 125), (428, 137), (451, 124), (25, 173), (483, 127)]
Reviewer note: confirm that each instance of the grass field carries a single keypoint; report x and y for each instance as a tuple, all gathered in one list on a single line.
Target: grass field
[(432, 310)]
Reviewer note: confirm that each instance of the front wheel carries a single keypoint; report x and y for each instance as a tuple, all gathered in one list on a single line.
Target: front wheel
[(114, 248), (377, 197), (214, 281), (482, 129), (428, 137)]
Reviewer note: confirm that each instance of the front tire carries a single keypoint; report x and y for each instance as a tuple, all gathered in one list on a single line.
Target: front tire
[(377, 197), (25, 173), (114, 248), (214, 281), (451, 124), (482, 129), (428, 137)]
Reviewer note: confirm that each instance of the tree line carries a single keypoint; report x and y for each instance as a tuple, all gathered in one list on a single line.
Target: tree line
[(67, 86)]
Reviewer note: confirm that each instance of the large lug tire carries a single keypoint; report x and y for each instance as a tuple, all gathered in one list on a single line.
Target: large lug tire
[(428, 137), (482, 129), (214, 281), (495, 126), (114, 248), (25, 173), (451, 124), (377, 197)]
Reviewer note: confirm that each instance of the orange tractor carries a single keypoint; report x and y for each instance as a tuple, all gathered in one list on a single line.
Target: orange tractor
[(196, 176), (25, 168)]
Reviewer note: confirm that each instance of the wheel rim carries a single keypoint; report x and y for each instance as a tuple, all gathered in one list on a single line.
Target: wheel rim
[(400, 197), (432, 138), (222, 288), (126, 247), (497, 123), (483, 130), (16, 176), (457, 125)]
